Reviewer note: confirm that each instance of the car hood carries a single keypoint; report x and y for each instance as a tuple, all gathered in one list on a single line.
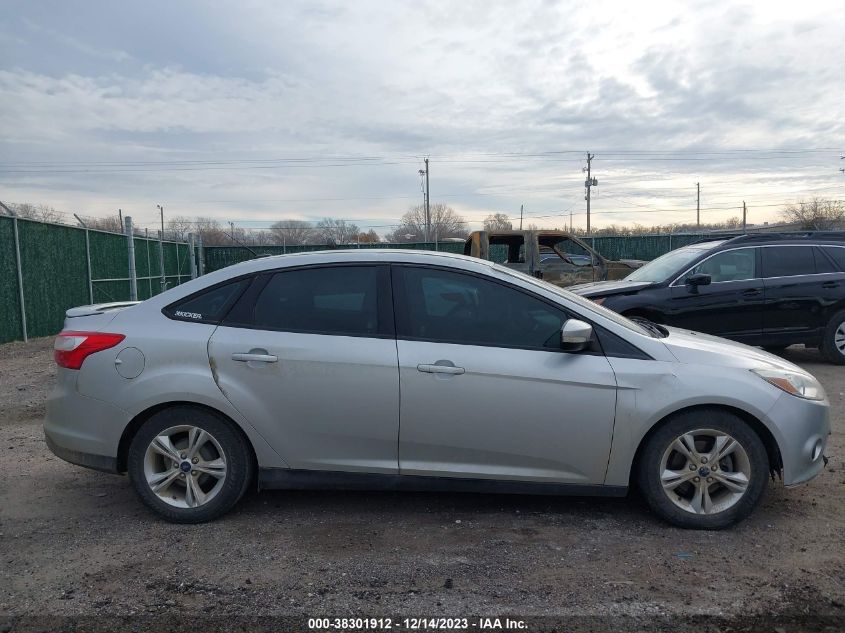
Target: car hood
[(703, 349), (605, 288)]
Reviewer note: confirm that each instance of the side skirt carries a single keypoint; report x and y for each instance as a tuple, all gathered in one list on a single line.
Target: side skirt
[(291, 479)]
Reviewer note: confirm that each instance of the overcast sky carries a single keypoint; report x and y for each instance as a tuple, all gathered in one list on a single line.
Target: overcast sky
[(263, 111)]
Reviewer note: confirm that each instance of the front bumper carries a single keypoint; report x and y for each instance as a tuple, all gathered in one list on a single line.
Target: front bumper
[(82, 430), (801, 428)]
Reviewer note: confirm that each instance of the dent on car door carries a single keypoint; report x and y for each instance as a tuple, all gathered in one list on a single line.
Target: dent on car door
[(309, 357), (730, 305), (486, 391)]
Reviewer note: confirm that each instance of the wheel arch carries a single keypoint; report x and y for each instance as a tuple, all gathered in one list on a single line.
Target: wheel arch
[(138, 421), (762, 431)]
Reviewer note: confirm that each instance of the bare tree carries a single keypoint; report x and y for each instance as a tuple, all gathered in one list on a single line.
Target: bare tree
[(291, 232), (370, 237), (109, 223), (210, 232), (497, 222), (818, 214), (331, 231), (178, 228), (444, 223), (41, 212)]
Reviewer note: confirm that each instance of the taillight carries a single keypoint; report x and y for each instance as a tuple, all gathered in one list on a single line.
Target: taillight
[(72, 348)]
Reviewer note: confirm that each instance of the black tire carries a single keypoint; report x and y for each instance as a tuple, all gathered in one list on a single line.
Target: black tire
[(238, 458), (649, 468), (828, 347)]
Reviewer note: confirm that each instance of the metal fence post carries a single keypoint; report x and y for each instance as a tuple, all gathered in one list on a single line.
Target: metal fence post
[(20, 278), (200, 255), (130, 249), (161, 259), (149, 263), (88, 264), (193, 258)]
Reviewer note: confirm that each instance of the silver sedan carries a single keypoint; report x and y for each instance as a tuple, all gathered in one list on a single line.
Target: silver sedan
[(388, 369)]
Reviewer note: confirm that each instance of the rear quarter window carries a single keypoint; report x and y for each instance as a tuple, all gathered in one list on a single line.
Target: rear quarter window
[(207, 306)]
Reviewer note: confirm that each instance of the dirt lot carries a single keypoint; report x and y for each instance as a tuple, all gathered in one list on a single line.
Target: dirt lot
[(75, 542)]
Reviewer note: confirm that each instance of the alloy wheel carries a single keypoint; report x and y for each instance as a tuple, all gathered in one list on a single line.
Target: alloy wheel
[(839, 338), (185, 466), (705, 471)]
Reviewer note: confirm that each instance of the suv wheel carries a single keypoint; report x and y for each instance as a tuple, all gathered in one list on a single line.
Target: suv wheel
[(833, 344), (189, 465), (704, 469)]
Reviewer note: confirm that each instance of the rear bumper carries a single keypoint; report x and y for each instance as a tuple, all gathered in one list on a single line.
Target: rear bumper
[(89, 460), (82, 430)]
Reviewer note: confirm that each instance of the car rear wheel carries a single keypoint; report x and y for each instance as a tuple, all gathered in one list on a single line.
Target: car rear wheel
[(833, 344), (189, 465), (703, 469)]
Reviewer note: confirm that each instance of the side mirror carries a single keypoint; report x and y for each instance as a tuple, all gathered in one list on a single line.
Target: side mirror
[(575, 335), (698, 279)]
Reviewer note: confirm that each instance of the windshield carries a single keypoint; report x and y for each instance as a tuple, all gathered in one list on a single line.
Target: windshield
[(672, 263), (581, 301)]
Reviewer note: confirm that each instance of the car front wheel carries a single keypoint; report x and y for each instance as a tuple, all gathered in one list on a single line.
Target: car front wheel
[(703, 469), (189, 465)]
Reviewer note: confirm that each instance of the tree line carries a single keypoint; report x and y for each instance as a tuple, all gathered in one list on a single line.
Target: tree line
[(816, 214)]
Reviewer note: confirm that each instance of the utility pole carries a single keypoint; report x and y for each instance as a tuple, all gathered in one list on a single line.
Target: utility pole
[(120, 218), (697, 206), (426, 205), (744, 217), (163, 281), (588, 184), (570, 221), (520, 216)]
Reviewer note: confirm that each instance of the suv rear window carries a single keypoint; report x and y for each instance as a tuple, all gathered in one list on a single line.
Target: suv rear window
[(788, 261), (207, 306)]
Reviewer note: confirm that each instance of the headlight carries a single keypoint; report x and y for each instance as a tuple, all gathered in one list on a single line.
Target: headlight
[(801, 385)]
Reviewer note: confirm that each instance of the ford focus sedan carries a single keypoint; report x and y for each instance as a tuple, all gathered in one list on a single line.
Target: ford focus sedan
[(406, 370)]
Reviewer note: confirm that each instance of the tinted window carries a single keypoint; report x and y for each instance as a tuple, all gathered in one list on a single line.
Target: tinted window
[(736, 265), (786, 261), (837, 254), (823, 264), (444, 306), (209, 305), (341, 300)]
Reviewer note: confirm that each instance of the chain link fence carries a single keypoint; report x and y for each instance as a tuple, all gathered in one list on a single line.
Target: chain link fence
[(47, 268)]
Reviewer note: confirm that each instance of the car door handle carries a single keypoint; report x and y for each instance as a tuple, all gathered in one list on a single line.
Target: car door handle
[(830, 284), (257, 358), (441, 369), (751, 292)]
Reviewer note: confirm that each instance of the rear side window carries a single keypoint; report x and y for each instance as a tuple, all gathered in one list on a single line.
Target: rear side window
[(823, 264), (788, 261), (207, 306), (339, 300), (837, 254)]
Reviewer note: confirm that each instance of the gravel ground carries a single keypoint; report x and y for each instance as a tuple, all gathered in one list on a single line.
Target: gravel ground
[(75, 542)]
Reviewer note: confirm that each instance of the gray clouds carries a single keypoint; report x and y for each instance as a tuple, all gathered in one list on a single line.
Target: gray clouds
[(477, 85)]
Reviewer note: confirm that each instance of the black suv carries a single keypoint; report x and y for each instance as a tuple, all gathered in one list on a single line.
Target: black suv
[(771, 290)]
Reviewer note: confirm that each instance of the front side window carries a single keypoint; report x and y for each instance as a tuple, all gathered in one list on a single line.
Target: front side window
[(339, 300), (735, 265), (670, 264), (786, 261), (451, 307), (208, 306)]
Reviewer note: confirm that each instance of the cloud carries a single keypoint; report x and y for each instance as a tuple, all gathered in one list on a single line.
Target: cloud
[(487, 89)]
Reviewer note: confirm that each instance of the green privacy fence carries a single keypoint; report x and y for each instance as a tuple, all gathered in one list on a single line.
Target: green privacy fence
[(217, 257), (47, 268)]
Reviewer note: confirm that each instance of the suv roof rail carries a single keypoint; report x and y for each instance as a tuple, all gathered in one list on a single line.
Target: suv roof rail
[(789, 235)]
